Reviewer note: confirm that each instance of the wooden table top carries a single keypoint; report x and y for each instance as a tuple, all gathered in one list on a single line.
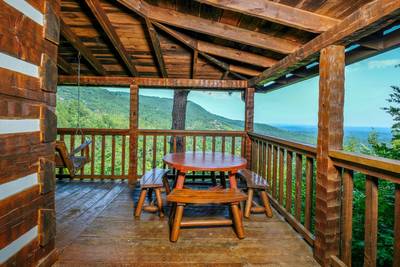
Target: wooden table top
[(205, 161)]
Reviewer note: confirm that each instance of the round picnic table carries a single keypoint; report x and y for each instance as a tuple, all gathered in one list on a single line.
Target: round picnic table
[(205, 161)]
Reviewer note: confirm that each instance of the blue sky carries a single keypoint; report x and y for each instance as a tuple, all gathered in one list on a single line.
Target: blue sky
[(367, 88)]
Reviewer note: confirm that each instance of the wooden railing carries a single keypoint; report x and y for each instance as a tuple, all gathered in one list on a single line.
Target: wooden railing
[(372, 171), (109, 151), (290, 170)]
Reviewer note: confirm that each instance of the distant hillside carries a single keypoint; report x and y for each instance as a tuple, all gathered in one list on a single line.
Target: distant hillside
[(101, 108)]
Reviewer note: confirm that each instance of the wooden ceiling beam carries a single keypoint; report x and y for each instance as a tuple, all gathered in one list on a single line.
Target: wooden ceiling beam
[(212, 28), (112, 35), (65, 66), (388, 42), (156, 47), (192, 43), (74, 40), (244, 70), (368, 19), (235, 54), (278, 13), (167, 83)]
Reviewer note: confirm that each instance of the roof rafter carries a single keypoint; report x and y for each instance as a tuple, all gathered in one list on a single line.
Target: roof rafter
[(194, 63), (156, 47), (65, 66), (192, 43), (278, 13), (108, 28), (216, 29), (74, 40), (366, 20)]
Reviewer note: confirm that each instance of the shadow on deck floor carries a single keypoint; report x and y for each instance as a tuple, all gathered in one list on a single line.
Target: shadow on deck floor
[(95, 227)]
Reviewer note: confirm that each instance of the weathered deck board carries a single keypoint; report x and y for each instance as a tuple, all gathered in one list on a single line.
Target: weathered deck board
[(105, 233)]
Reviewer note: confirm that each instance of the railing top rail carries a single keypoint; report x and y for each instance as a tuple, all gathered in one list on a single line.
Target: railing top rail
[(191, 132), (94, 131), (295, 146), (387, 169), (90, 131)]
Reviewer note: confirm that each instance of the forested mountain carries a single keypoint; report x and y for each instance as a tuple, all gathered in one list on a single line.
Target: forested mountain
[(101, 108)]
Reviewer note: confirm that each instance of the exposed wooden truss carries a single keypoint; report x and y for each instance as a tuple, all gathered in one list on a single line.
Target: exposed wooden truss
[(192, 43), (74, 40), (101, 16), (276, 12), (367, 20), (65, 66), (194, 63), (155, 82), (368, 48), (212, 28), (156, 47)]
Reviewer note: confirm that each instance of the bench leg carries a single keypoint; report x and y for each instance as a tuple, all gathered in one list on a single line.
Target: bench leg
[(223, 180), (176, 224), (249, 202), (213, 179), (166, 185), (265, 201), (140, 203), (159, 202), (237, 220)]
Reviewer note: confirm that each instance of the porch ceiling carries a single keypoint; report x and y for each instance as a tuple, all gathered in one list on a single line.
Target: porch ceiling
[(204, 39)]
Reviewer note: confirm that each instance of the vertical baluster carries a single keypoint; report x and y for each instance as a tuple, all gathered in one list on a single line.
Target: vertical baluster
[(371, 220), (223, 144), (264, 162), (233, 145), (194, 143), (112, 155), (269, 166), (204, 143), (281, 173), (289, 174), (72, 143), (299, 169), (174, 144), (309, 192), (92, 160), (347, 216), (165, 149), (123, 137), (274, 171), (61, 137), (144, 154), (253, 155), (213, 144), (260, 157), (103, 150), (154, 151), (396, 256)]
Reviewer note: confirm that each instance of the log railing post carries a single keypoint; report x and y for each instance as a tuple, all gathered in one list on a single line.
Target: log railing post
[(248, 122), (330, 136), (133, 133)]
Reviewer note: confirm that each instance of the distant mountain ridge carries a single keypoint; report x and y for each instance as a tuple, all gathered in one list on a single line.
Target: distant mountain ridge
[(101, 108)]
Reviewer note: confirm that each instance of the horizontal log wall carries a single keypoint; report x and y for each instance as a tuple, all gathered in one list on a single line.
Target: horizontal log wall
[(28, 78)]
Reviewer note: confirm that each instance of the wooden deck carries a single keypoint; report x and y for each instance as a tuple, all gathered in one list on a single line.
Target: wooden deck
[(95, 227)]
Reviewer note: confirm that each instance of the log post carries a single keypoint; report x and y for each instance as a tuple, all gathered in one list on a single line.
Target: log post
[(248, 122), (330, 136), (133, 133)]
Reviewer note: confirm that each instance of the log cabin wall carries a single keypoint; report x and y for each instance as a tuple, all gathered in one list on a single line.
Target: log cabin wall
[(28, 78)]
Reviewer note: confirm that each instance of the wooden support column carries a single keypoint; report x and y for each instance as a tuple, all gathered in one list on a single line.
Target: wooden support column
[(330, 136), (133, 133), (248, 121)]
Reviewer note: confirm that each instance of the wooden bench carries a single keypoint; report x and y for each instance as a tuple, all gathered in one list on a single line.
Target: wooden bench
[(257, 183), (181, 197), (69, 160), (152, 180)]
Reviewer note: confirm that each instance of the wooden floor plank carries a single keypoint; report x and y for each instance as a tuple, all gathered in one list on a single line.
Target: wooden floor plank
[(106, 234)]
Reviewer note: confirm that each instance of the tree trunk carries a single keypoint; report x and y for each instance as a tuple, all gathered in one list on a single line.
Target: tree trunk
[(179, 118)]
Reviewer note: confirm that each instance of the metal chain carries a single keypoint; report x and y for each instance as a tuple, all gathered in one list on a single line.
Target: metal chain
[(78, 122)]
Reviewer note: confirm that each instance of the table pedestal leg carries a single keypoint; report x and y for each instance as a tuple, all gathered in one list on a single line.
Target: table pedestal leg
[(180, 181), (232, 179)]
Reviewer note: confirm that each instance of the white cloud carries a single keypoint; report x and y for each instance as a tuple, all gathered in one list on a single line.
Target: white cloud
[(384, 63)]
